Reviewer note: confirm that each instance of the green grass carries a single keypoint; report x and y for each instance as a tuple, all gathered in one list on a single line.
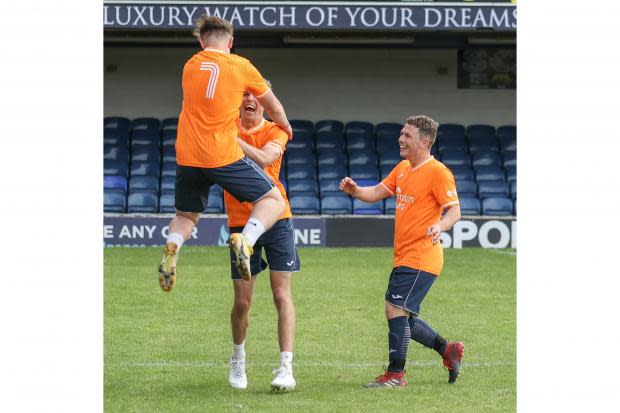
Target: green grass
[(168, 352)]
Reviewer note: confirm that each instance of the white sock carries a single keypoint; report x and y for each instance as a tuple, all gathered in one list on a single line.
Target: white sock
[(176, 238), (239, 351), (286, 357), (253, 230)]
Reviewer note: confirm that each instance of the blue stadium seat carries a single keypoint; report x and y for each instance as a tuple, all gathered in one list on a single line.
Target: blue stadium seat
[(151, 125), (362, 157), (169, 169), (507, 131), (112, 167), (359, 142), (137, 183), (145, 154), (384, 170), (476, 148), (331, 158), (168, 137), (392, 159), (167, 183), (145, 169), (301, 125), (511, 173), (301, 172), (144, 138), (479, 130), (301, 142), (490, 189), (469, 205), (454, 158), (497, 206), (329, 185), (486, 158), (329, 126), (451, 129), (359, 128), (336, 205), (488, 141), (489, 173), (169, 154), (215, 203), (332, 172), (117, 122), (367, 208), (510, 158), (169, 124), (513, 190), (366, 182), (508, 143), (388, 131), (390, 206), (166, 202), (115, 153), (304, 204), (466, 188), (330, 140), (388, 148), (462, 173), (115, 137), (363, 172), (300, 157), (115, 182), (303, 185), (216, 189), (114, 201), (142, 201), (452, 143)]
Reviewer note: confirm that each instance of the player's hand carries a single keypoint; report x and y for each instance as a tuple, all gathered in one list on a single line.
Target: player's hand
[(289, 131), (434, 232), (348, 185)]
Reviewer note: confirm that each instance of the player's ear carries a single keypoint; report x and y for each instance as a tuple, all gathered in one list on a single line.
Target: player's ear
[(202, 43), (230, 42)]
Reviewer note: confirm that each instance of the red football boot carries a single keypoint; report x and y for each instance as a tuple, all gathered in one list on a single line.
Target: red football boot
[(388, 379), (452, 359)]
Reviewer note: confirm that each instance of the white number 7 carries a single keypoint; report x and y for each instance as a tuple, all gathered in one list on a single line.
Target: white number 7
[(215, 72)]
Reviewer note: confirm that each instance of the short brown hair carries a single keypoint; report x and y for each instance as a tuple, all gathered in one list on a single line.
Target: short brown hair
[(427, 126), (207, 26)]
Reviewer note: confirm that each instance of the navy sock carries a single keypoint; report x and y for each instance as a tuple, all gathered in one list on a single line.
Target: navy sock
[(425, 335), (398, 338)]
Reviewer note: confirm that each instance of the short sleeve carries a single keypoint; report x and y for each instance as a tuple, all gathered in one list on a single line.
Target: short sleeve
[(390, 181), (278, 136), (444, 188), (255, 84)]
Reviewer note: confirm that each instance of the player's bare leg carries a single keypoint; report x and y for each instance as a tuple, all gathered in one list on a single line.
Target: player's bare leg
[(283, 300), (265, 212), (239, 321), (179, 231)]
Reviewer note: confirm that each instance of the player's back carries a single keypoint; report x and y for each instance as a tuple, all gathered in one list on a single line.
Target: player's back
[(213, 85)]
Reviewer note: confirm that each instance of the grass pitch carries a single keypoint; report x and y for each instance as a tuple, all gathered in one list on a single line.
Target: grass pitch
[(168, 352)]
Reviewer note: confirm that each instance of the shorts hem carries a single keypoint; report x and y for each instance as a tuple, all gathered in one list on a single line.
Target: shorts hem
[(403, 308)]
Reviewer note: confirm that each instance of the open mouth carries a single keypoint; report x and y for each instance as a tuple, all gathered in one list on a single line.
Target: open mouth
[(250, 108)]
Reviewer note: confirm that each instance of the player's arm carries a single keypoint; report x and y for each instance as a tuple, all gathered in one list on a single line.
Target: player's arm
[(364, 193), (264, 156), (275, 110), (451, 217)]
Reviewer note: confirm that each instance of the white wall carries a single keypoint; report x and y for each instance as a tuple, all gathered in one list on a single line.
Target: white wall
[(376, 85)]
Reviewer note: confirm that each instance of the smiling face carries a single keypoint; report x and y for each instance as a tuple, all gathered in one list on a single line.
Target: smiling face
[(411, 144), (250, 109)]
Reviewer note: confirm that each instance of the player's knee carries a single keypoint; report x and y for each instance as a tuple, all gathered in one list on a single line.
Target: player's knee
[(192, 216), (282, 297), (242, 305)]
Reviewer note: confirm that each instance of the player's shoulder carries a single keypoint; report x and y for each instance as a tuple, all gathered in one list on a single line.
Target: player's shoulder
[(439, 168)]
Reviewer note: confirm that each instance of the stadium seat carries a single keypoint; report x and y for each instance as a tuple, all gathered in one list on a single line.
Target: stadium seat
[(169, 169), (511, 173), (366, 182), (513, 190), (332, 172), (486, 158), (455, 158), (452, 143), (362, 157), (117, 122), (151, 125), (385, 170), (145, 169), (142, 201), (301, 125), (215, 203), (462, 173), (301, 172), (303, 185), (390, 158), (115, 153), (300, 142), (388, 131), (469, 205), (168, 137), (489, 173), (508, 143), (336, 204), (114, 137), (359, 128), (388, 148), (331, 158), (357, 141), (497, 206), (137, 183), (466, 188), (358, 172), (145, 154), (145, 138), (367, 208), (390, 206), (329, 185), (115, 182), (167, 183), (490, 189), (507, 131), (334, 126), (112, 167), (169, 124), (479, 130), (166, 202), (330, 140), (114, 201), (169, 154), (509, 158), (304, 205), (451, 129), (300, 157)]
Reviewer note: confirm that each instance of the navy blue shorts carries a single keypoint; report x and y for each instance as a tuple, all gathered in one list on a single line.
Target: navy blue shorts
[(279, 244), (243, 179), (408, 287)]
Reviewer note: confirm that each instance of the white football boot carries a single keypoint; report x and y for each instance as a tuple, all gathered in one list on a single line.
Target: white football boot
[(284, 380), (237, 377)]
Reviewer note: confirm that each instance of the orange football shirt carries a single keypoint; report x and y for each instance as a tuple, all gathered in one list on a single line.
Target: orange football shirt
[(421, 195), (213, 85), (259, 136)]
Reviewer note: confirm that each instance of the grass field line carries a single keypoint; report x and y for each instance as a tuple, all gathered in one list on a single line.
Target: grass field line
[(513, 253), (300, 364)]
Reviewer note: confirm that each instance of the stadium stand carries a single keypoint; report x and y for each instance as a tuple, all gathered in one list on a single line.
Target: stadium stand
[(142, 201), (367, 208), (469, 205), (497, 206), (336, 204), (305, 205)]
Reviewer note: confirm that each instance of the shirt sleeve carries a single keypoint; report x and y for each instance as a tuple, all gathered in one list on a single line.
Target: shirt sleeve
[(255, 84), (278, 137), (444, 188), (390, 181)]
